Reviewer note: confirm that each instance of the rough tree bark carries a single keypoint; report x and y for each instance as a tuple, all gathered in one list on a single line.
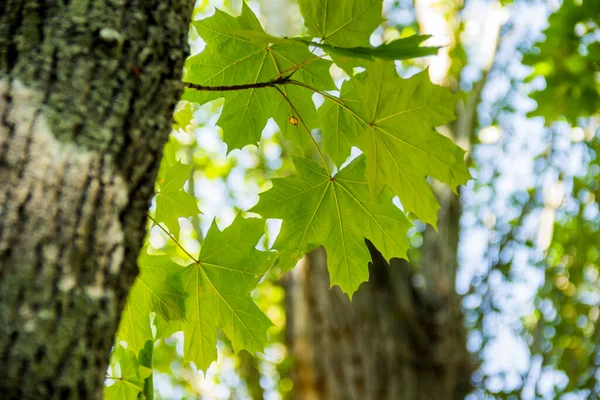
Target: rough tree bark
[(87, 90)]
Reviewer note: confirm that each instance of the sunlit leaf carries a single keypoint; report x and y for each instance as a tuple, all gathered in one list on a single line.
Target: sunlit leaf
[(172, 201), (336, 212), (234, 58), (128, 383), (150, 293), (346, 23), (217, 292), (392, 121)]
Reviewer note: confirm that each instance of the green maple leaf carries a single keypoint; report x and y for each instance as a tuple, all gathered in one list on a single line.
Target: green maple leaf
[(348, 58), (232, 57), (183, 114), (129, 379), (145, 358), (150, 293), (341, 126), (393, 122), (315, 74), (337, 212), (172, 201), (397, 49), (217, 289), (346, 23)]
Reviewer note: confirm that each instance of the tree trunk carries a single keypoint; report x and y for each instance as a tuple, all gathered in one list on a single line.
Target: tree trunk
[(395, 340), (87, 90)]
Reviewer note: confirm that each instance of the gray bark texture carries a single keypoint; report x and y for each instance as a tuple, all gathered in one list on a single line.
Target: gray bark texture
[(395, 339), (87, 91)]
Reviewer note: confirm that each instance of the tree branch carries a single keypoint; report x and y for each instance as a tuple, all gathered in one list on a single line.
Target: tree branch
[(276, 81)]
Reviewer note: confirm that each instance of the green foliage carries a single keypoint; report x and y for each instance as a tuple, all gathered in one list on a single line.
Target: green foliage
[(569, 60), (183, 115), (345, 26), (392, 120), (325, 202), (233, 58), (151, 292), (337, 212), (567, 310), (145, 359), (217, 288), (397, 49), (345, 23), (172, 202), (128, 380)]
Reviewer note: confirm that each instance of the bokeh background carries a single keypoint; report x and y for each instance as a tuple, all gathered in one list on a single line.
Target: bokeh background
[(529, 246)]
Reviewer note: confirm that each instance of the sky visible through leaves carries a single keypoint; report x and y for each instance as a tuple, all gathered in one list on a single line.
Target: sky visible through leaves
[(191, 283), (325, 202)]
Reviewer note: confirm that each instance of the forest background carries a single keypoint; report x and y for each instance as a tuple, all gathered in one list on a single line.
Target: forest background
[(527, 255), (501, 301)]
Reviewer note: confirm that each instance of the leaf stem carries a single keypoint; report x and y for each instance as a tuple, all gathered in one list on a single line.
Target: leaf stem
[(329, 97), (173, 239), (295, 68), (307, 130)]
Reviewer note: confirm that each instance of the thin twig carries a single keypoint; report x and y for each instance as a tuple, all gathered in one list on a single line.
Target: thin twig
[(173, 239), (278, 80)]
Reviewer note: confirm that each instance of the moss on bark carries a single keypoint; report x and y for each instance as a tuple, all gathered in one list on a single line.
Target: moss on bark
[(87, 90)]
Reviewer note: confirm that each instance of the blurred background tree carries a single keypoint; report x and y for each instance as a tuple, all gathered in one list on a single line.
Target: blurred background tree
[(504, 300)]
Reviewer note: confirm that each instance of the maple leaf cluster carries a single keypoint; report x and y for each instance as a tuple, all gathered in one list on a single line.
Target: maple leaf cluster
[(337, 203)]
